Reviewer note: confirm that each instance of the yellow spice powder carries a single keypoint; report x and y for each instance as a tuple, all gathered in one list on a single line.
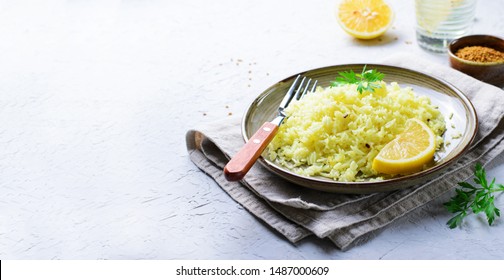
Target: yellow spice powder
[(480, 54)]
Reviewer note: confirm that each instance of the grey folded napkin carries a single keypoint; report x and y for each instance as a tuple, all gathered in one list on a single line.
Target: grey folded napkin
[(298, 212)]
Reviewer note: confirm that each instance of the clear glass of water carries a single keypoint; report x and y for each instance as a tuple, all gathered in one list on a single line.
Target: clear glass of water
[(438, 22)]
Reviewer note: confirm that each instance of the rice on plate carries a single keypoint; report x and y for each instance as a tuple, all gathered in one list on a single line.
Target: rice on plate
[(336, 132)]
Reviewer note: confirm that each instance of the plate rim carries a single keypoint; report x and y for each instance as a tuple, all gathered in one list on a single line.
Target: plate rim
[(339, 185)]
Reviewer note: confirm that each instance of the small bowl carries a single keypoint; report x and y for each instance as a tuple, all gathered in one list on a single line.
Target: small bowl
[(489, 72)]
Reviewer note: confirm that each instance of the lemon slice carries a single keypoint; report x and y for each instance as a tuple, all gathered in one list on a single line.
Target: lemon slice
[(409, 151), (364, 19), (430, 16)]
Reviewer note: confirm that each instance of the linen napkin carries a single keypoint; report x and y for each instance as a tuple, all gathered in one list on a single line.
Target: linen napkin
[(298, 212)]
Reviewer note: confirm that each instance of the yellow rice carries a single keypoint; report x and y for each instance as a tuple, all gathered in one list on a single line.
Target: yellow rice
[(336, 132)]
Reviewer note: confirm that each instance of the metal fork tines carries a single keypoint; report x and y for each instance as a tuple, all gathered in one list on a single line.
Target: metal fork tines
[(303, 89), (297, 90)]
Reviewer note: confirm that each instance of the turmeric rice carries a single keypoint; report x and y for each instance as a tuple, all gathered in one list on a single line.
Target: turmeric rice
[(336, 132)]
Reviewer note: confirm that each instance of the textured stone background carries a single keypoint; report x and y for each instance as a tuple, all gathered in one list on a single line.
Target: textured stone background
[(95, 100)]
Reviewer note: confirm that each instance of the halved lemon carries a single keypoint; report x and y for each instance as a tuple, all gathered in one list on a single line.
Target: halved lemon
[(409, 151), (364, 19)]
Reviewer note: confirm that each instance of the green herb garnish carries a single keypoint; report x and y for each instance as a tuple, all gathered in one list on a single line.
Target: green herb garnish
[(474, 198), (367, 80)]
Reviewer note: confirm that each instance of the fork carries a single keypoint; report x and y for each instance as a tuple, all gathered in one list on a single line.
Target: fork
[(242, 161)]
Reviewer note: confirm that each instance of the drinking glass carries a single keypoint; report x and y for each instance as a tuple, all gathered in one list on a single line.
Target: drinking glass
[(438, 22)]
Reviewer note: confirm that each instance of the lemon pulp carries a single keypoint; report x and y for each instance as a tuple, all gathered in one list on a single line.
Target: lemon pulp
[(409, 151), (364, 19)]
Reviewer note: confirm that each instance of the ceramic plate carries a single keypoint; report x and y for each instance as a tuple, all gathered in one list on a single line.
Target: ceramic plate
[(453, 104)]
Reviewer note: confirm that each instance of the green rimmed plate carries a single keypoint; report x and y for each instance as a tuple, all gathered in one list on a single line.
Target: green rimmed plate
[(453, 104)]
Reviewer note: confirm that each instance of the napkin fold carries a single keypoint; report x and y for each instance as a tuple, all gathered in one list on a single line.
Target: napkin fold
[(298, 212)]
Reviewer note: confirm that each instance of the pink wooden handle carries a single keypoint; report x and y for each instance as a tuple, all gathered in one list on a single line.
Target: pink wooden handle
[(241, 163)]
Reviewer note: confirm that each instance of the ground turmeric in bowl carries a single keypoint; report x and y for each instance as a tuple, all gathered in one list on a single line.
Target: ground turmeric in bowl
[(480, 54)]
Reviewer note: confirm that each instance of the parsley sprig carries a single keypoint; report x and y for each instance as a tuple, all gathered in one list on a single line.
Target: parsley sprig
[(367, 80), (474, 198)]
